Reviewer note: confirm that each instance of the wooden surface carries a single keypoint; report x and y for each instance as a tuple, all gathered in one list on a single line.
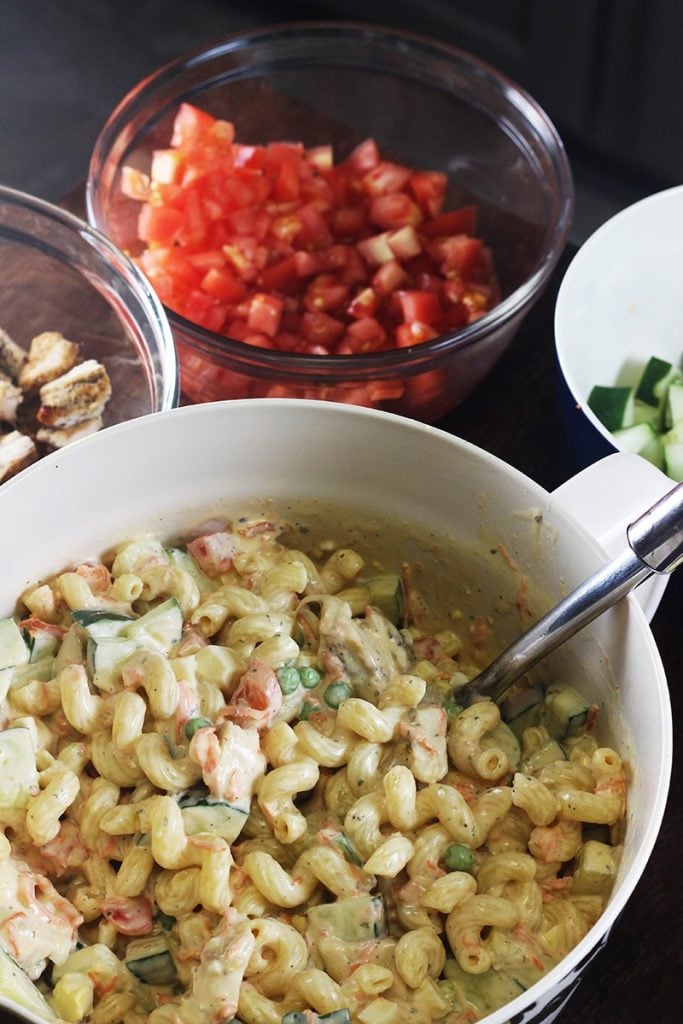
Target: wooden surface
[(515, 414)]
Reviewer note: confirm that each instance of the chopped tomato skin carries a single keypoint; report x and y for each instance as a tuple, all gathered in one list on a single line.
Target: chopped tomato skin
[(278, 246)]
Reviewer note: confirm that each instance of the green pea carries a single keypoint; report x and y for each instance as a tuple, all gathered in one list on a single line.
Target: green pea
[(193, 724), (452, 708), (310, 677), (458, 858), (308, 709), (288, 678), (335, 693)]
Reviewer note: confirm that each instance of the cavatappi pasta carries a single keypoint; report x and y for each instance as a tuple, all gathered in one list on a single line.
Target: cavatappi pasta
[(234, 783)]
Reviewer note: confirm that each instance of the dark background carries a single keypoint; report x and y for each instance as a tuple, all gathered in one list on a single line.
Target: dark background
[(608, 72)]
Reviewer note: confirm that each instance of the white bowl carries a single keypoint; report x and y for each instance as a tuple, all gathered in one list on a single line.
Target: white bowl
[(391, 483), (619, 303)]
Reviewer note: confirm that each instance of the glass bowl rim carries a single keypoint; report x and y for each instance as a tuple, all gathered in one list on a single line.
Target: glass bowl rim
[(238, 355), (168, 386)]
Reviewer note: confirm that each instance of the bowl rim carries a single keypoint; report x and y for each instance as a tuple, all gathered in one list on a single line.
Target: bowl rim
[(166, 384), (203, 414), (362, 366), (564, 299)]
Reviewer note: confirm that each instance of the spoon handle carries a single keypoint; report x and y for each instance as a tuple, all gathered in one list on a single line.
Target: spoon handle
[(655, 545)]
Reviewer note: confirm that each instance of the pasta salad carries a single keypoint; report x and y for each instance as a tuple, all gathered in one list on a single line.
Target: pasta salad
[(235, 783)]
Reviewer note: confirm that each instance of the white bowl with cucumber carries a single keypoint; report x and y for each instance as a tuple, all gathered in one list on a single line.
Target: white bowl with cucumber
[(618, 333)]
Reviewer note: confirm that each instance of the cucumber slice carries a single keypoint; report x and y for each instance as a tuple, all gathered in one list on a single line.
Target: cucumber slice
[(18, 773), (564, 711), (655, 379), (673, 459), (150, 960), (99, 623), (160, 627), (204, 813), (13, 649), (18, 987), (614, 406), (386, 593), (357, 920)]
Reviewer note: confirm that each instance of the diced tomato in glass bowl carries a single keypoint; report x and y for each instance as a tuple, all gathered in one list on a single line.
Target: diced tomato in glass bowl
[(335, 211)]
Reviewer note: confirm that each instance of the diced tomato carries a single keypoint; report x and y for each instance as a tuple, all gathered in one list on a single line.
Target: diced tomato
[(265, 312), (420, 307), (364, 303), (189, 125), (326, 293), (224, 285), (429, 189), (159, 225), (276, 246), (394, 211), (364, 157), (454, 222), (321, 329), (459, 253), (385, 178), (414, 334), (365, 335)]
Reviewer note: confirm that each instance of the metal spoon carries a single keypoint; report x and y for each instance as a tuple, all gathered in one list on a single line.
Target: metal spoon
[(655, 546)]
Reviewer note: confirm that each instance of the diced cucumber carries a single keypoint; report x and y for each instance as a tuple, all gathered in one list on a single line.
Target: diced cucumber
[(41, 644), (357, 920), (595, 870), (13, 649), (672, 446), (655, 379), (564, 711), (521, 706), (18, 773), (644, 413), (487, 991), (614, 406), (18, 987), (386, 593), (514, 957), (99, 623), (642, 439), (547, 753), (42, 670), (184, 560), (106, 658), (204, 813), (6, 675), (161, 626), (150, 960), (348, 849), (673, 409)]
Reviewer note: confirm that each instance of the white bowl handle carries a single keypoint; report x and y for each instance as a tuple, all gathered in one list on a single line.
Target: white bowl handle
[(606, 496)]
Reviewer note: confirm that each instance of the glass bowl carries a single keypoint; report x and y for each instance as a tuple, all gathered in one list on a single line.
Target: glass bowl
[(61, 275), (426, 105)]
